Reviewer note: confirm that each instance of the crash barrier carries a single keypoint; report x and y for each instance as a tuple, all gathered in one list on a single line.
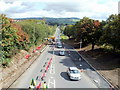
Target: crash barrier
[(43, 50)]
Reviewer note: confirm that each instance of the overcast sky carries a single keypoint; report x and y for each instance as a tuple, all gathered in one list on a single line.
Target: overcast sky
[(95, 9)]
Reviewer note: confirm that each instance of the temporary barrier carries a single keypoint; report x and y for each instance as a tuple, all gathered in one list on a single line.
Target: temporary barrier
[(43, 75), (27, 56), (82, 70), (39, 85), (39, 47), (49, 61), (47, 67), (34, 51)]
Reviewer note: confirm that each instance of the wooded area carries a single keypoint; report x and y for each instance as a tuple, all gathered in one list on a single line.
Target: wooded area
[(24, 34), (53, 21), (89, 31)]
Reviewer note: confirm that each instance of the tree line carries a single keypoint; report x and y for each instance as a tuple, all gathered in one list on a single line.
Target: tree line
[(54, 21), (22, 35), (106, 33)]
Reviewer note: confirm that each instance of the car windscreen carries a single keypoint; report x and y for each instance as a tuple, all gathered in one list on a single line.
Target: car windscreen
[(59, 44), (74, 71)]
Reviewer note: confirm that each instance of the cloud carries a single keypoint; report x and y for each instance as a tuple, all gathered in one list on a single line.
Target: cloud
[(60, 7), (19, 7), (9, 1), (96, 9), (16, 7)]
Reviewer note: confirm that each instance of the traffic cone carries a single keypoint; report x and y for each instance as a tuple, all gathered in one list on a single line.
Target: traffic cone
[(81, 70)]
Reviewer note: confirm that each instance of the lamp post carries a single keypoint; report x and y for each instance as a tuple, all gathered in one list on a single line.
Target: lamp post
[(80, 44)]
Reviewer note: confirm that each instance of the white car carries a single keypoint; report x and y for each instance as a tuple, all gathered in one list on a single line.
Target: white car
[(74, 73), (62, 52), (59, 46)]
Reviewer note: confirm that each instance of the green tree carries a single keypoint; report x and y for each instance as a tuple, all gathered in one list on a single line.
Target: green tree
[(69, 31), (37, 30), (12, 38), (111, 33), (9, 39), (86, 29)]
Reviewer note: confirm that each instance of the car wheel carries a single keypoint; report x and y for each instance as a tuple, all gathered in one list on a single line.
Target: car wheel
[(71, 79)]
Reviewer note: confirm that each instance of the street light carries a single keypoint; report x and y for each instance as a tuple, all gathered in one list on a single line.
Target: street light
[(80, 44)]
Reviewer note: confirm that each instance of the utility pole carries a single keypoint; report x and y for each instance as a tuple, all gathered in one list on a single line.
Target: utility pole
[(80, 44)]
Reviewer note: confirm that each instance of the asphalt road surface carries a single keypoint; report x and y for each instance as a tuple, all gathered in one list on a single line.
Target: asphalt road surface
[(56, 75)]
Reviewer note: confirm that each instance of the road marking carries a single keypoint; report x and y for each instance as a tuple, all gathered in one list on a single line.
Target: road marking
[(52, 69), (51, 83), (54, 83)]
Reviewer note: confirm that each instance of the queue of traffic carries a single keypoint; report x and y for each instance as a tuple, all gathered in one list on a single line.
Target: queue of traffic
[(72, 72)]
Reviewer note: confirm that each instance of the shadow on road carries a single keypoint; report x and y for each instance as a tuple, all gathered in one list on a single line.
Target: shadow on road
[(65, 76), (55, 52)]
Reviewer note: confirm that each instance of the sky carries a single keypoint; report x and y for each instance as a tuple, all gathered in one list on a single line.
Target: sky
[(94, 9)]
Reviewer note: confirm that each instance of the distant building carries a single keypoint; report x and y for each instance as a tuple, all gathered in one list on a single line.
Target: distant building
[(16, 20)]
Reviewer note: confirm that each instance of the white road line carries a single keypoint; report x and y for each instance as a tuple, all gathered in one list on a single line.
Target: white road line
[(54, 83), (51, 82), (52, 69)]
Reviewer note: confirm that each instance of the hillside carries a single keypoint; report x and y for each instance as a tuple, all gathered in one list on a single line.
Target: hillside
[(53, 21)]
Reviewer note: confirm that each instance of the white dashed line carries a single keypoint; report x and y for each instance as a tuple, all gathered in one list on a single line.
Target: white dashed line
[(52, 69), (51, 83)]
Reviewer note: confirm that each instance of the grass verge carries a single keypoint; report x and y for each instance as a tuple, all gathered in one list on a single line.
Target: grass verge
[(64, 37)]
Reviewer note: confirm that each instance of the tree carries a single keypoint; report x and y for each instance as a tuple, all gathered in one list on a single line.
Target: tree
[(69, 31), (37, 30), (9, 39), (111, 33), (21, 35), (88, 30)]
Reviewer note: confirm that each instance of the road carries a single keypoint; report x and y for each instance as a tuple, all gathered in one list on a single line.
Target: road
[(56, 76)]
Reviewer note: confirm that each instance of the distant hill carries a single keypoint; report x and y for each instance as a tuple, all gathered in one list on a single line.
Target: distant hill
[(53, 21)]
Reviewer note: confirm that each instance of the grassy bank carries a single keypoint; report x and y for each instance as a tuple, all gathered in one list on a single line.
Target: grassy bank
[(64, 37)]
